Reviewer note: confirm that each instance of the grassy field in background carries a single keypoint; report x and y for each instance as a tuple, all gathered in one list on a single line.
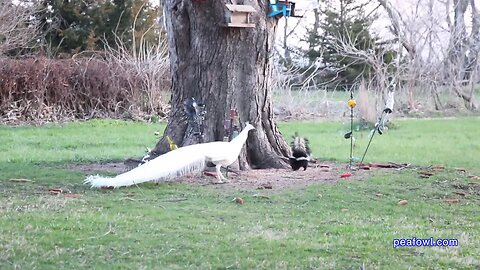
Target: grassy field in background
[(94, 140), (452, 142), (334, 225)]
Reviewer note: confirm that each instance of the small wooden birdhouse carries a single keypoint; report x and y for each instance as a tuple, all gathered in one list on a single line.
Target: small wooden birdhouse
[(239, 15)]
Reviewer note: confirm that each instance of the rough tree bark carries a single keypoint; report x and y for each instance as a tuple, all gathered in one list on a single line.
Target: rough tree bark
[(225, 68)]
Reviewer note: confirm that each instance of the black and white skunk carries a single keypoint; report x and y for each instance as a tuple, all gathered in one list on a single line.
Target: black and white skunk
[(300, 153)]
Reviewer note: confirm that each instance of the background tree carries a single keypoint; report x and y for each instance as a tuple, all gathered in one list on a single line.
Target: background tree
[(431, 65), (74, 26), (342, 19), (463, 52), (227, 69)]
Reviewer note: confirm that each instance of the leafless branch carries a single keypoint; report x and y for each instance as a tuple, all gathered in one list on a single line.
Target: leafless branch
[(18, 25)]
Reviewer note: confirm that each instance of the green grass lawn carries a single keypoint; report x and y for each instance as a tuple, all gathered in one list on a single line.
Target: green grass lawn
[(335, 225), (451, 142), (76, 142)]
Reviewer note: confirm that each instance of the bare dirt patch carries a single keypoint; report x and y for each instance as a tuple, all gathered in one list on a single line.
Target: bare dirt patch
[(99, 168), (274, 179)]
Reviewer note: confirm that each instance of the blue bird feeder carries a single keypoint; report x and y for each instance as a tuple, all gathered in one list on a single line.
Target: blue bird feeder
[(282, 8)]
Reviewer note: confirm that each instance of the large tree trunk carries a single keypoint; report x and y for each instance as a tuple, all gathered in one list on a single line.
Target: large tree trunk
[(225, 68)]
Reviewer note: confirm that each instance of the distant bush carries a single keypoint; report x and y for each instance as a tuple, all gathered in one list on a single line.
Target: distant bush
[(44, 90)]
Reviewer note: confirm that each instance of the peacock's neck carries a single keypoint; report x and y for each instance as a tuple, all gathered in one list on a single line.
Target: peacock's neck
[(241, 138)]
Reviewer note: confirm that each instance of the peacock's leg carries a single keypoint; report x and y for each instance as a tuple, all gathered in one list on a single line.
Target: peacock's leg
[(220, 177)]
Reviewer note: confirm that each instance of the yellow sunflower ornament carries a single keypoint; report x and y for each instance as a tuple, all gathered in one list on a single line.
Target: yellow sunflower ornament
[(352, 103)]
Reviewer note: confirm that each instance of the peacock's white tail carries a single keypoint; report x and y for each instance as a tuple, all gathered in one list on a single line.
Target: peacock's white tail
[(176, 163), (173, 164)]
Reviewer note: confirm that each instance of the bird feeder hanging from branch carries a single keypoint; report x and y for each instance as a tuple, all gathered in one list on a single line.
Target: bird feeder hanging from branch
[(283, 8)]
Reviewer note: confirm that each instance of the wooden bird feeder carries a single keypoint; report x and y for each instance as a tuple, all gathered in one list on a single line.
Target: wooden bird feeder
[(239, 15), (283, 8)]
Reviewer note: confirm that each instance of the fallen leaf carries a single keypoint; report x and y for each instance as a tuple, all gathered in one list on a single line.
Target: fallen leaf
[(438, 167), (461, 169), (22, 180), (344, 209), (238, 200), (428, 174), (474, 177), (378, 194), (346, 175), (72, 195), (261, 196), (452, 200), (402, 202), (383, 165), (460, 193), (55, 191)]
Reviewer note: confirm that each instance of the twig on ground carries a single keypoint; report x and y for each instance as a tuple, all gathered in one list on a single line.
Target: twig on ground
[(110, 231), (130, 199), (175, 200), (22, 180), (293, 177), (261, 196), (172, 249), (139, 189)]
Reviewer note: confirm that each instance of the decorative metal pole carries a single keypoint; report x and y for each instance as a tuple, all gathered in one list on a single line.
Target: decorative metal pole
[(351, 103)]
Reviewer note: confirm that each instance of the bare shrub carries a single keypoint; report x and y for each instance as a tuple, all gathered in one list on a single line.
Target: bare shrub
[(17, 25), (44, 90), (146, 70), (366, 104), (120, 82)]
